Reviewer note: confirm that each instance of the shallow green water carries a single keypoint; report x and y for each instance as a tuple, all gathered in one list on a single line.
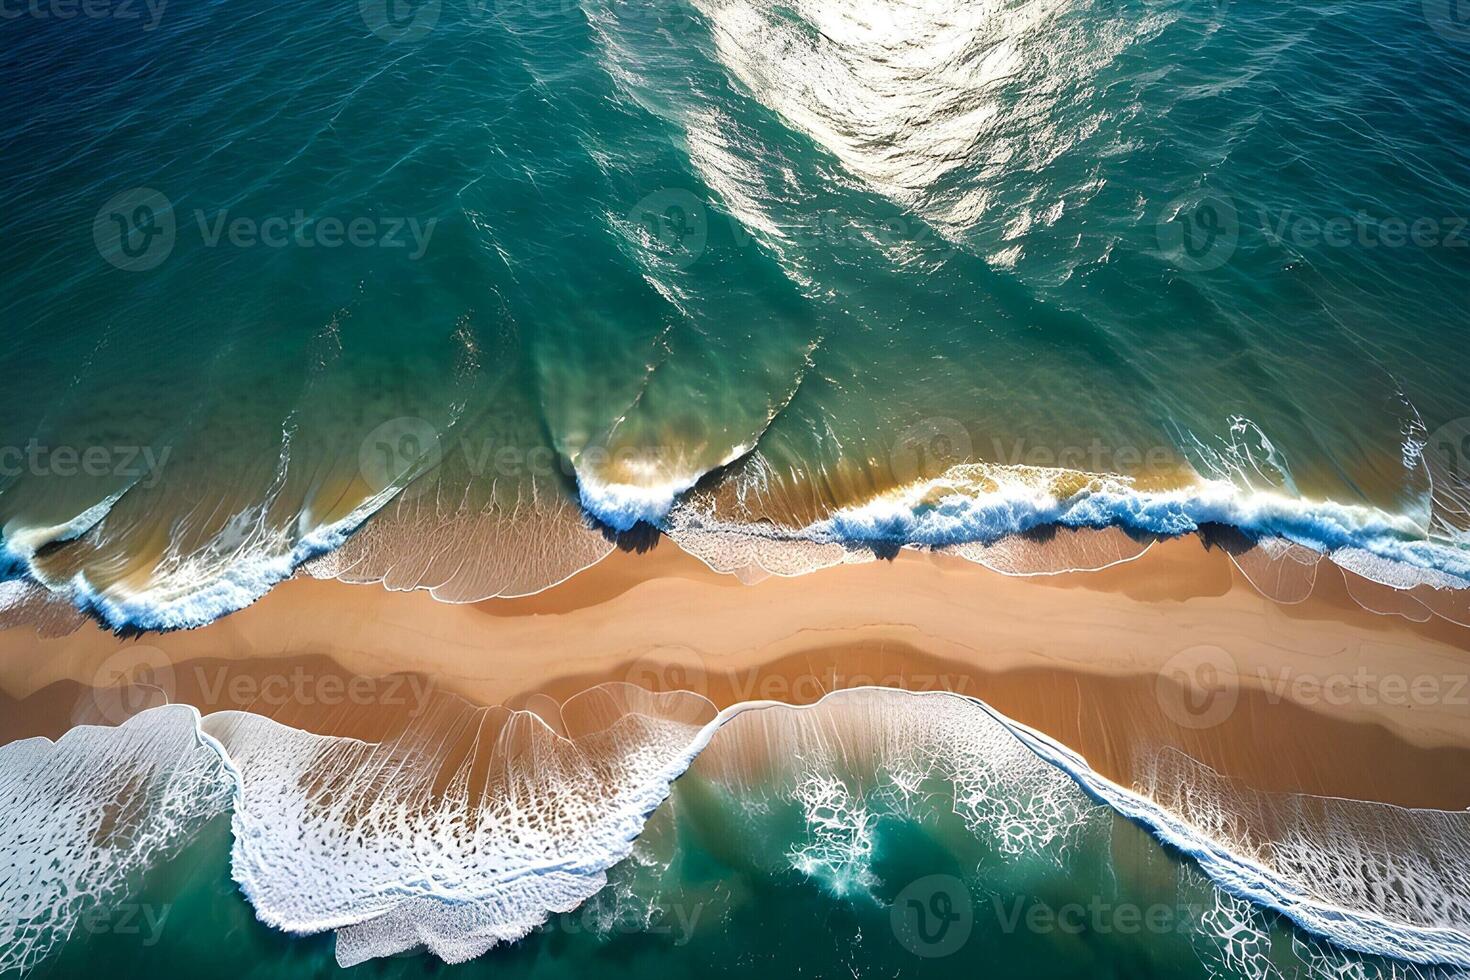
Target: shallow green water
[(714, 890)]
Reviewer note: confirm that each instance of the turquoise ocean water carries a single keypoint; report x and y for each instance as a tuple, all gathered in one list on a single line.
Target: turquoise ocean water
[(875, 834), (452, 294), (714, 895), (720, 264), (827, 866)]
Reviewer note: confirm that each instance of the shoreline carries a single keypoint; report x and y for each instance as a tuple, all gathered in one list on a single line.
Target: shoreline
[(1172, 649), (972, 509)]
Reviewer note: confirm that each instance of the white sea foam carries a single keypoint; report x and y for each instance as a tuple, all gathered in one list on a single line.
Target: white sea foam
[(981, 505), (1336, 882), (1370, 877), (1012, 783), (970, 510), (22, 542), (457, 843), (622, 505), (81, 818), (195, 590), (426, 842)]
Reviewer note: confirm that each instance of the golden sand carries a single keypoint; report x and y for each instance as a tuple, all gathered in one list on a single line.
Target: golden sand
[(1173, 649)]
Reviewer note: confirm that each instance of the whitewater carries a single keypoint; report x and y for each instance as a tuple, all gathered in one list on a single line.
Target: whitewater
[(338, 834), (971, 504)]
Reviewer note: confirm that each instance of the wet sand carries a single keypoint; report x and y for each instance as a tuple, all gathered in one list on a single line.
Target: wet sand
[(1174, 649)]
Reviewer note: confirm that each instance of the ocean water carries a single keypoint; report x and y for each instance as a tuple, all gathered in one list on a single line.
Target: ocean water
[(463, 294), (876, 833), (487, 281), (705, 908)]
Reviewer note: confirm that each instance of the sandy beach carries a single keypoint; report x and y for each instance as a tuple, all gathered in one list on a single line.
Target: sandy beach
[(1173, 649)]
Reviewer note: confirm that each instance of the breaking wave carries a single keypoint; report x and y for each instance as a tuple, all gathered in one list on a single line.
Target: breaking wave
[(474, 825), (999, 516)]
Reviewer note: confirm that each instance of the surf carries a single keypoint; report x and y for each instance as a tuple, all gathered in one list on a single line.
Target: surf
[(470, 831)]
